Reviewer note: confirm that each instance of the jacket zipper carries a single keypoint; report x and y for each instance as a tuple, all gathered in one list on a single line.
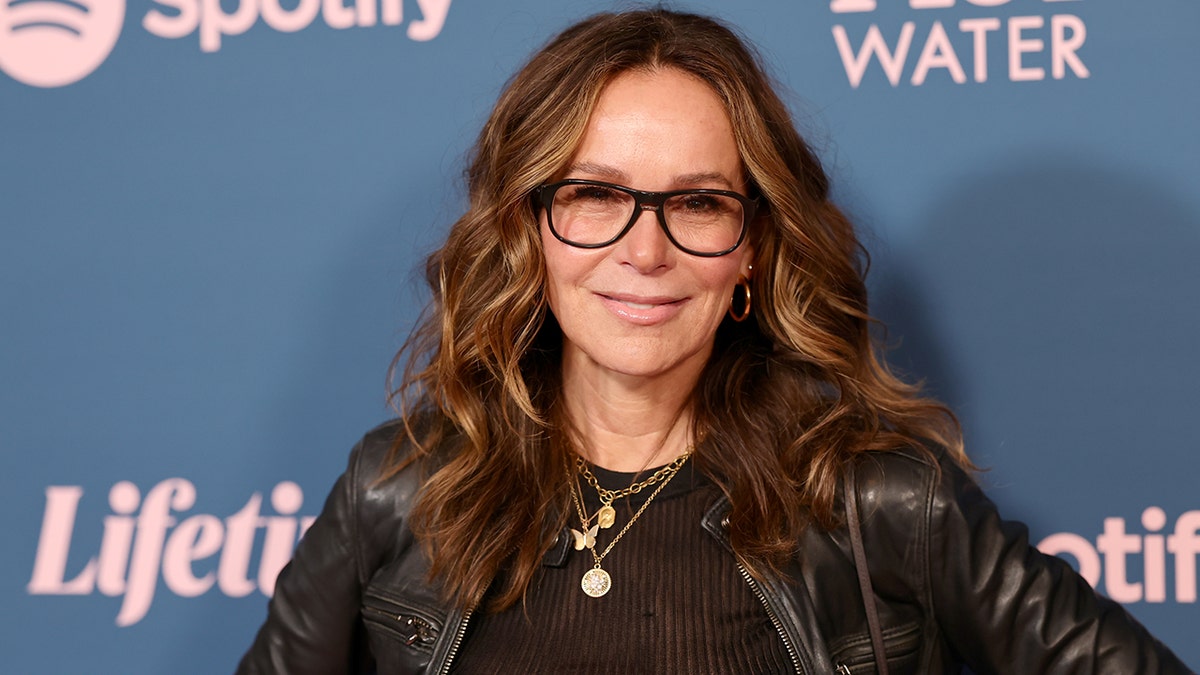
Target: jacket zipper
[(422, 629), (774, 619), (458, 637)]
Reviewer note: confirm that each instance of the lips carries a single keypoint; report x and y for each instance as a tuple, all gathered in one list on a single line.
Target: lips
[(641, 309)]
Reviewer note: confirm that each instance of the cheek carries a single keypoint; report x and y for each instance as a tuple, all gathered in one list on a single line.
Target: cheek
[(563, 271), (733, 268), (720, 283)]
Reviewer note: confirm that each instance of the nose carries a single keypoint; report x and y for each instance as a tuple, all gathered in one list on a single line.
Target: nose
[(645, 246)]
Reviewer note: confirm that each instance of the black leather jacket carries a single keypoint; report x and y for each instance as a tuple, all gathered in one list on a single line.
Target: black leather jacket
[(953, 582)]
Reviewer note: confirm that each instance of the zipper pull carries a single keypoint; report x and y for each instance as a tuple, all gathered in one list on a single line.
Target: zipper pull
[(843, 669), (418, 630)]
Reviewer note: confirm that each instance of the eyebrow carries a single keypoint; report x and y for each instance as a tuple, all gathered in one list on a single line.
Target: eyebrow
[(615, 175), (694, 179)]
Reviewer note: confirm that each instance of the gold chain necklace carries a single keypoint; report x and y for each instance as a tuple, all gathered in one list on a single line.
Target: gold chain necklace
[(596, 581), (609, 496), (607, 515)]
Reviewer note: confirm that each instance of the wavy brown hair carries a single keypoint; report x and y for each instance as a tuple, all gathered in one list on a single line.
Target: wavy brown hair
[(786, 400)]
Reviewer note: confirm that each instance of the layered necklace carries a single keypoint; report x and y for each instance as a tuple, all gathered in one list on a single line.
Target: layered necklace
[(596, 581)]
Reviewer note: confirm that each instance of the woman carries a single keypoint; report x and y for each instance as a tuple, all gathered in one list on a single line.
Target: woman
[(627, 420)]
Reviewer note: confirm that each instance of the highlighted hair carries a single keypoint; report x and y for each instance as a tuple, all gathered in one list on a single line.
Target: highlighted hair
[(787, 399)]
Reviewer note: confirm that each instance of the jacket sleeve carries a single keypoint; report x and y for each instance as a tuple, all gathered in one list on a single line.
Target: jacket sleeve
[(1007, 608), (313, 617)]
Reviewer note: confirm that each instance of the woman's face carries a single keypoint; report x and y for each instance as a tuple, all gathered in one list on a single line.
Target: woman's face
[(641, 307)]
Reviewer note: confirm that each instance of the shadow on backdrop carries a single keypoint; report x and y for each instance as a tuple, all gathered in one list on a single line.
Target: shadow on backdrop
[(1052, 301)]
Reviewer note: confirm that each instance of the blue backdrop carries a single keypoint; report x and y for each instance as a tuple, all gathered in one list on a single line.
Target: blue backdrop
[(212, 214)]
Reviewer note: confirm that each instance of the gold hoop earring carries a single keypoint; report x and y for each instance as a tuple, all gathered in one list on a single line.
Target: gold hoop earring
[(740, 315)]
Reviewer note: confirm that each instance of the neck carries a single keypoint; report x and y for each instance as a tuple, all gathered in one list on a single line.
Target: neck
[(625, 423)]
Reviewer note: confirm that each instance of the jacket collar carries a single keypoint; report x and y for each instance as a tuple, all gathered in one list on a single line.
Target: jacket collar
[(788, 600)]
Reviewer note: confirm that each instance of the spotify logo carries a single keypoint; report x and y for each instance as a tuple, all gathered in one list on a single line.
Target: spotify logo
[(51, 43)]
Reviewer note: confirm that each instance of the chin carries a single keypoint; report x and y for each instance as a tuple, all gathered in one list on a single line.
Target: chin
[(647, 363)]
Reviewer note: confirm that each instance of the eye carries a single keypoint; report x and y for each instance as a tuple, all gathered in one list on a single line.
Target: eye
[(595, 194), (701, 203)]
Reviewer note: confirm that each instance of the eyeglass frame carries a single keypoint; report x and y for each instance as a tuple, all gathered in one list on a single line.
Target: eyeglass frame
[(646, 200)]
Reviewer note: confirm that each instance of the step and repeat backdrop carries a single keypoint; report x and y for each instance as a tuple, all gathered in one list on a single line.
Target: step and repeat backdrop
[(213, 212)]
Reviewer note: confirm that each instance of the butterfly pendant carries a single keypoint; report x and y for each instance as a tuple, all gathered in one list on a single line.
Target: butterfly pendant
[(585, 539)]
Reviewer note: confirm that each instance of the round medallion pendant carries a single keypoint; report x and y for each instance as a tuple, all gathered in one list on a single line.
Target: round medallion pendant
[(596, 582)]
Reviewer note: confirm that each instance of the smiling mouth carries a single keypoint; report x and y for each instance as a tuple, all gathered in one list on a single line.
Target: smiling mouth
[(643, 310)]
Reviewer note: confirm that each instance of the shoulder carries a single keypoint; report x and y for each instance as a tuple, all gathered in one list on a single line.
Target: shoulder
[(912, 480), (386, 469), (389, 450), (363, 528), (375, 448), (929, 498), (377, 492), (905, 499)]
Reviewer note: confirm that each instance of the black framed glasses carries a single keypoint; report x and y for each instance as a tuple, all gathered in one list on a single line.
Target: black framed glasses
[(595, 214)]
